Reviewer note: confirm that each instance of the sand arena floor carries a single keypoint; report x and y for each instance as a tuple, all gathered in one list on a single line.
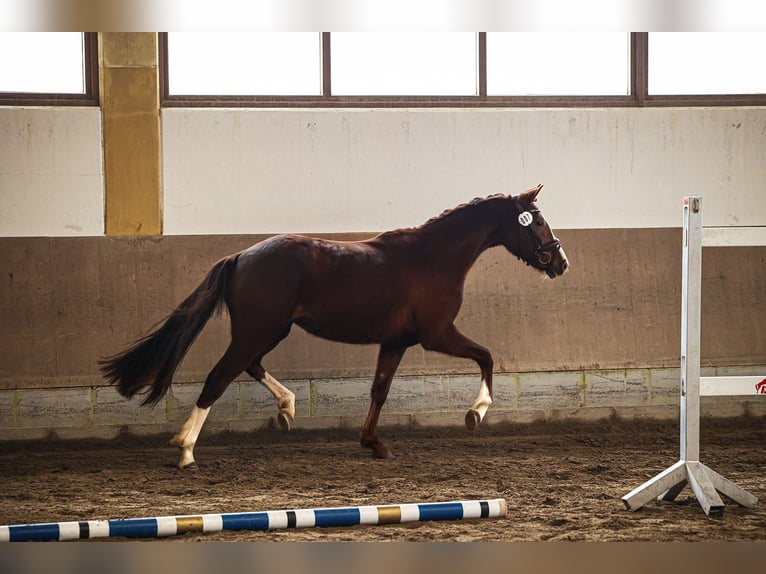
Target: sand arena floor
[(560, 481)]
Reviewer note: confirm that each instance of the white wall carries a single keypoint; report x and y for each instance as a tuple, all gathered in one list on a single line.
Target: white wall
[(51, 172), (268, 171)]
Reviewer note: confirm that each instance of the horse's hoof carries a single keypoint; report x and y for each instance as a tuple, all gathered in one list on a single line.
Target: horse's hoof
[(472, 419), (379, 450), (285, 420), (382, 453), (192, 466)]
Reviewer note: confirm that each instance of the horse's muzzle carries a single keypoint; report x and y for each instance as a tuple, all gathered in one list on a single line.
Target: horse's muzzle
[(556, 262)]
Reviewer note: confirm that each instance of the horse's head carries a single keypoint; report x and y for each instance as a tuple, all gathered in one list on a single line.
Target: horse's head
[(529, 237)]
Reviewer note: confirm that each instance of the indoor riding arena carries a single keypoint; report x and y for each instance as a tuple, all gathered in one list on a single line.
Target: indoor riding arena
[(580, 361)]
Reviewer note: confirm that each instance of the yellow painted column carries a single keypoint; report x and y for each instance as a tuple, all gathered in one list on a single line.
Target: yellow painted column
[(130, 106)]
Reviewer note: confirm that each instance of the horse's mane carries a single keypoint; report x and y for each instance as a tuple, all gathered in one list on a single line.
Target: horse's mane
[(442, 216), (447, 212)]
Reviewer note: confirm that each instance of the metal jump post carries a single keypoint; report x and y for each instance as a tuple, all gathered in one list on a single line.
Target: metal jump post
[(704, 482)]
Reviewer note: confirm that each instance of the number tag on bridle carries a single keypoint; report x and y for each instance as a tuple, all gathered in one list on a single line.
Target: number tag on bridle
[(525, 219)]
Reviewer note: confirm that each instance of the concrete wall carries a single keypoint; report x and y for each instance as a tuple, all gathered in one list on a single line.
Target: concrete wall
[(603, 339), (597, 338), (425, 400), (67, 302)]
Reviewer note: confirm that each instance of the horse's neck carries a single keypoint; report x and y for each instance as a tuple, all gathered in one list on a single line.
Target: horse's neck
[(460, 238)]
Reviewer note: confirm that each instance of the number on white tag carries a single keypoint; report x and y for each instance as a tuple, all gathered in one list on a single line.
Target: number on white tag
[(525, 218)]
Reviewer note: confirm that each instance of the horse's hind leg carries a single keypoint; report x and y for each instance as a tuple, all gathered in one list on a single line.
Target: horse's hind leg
[(187, 436), (284, 396), (233, 362), (388, 362)]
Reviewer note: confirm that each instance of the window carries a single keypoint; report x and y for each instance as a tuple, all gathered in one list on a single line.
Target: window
[(571, 64), (456, 69), (706, 63), (268, 63), (404, 64), (48, 68)]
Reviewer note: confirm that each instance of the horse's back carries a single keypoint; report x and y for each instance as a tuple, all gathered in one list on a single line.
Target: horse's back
[(348, 291), (316, 260)]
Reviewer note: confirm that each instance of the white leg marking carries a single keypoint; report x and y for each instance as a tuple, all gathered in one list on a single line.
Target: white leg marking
[(483, 400), (479, 408), (187, 436), (285, 400)]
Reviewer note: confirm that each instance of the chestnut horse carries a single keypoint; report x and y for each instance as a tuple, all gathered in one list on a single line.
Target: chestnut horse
[(396, 290)]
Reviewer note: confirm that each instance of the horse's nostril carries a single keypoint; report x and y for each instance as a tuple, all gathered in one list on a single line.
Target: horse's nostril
[(565, 265)]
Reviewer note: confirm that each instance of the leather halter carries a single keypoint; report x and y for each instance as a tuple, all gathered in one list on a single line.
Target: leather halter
[(543, 250)]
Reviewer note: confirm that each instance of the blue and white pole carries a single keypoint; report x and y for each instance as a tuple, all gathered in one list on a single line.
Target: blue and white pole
[(160, 526)]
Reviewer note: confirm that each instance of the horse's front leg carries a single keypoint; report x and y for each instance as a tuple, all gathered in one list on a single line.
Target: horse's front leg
[(388, 362), (452, 342), (478, 410)]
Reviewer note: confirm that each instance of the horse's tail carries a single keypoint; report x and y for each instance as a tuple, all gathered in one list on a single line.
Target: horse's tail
[(152, 360)]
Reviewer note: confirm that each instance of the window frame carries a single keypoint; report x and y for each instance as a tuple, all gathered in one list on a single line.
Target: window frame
[(90, 97), (638, 96)]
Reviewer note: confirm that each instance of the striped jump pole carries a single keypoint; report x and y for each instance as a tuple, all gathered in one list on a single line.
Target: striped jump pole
[(160, 526)]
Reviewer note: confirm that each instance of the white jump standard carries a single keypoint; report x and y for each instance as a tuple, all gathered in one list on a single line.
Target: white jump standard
[(704, 482)]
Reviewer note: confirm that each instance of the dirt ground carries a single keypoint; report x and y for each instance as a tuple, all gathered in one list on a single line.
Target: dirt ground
[(560, 481)]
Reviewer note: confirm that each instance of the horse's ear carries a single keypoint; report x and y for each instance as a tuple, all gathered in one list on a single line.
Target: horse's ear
[(531, 194)]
